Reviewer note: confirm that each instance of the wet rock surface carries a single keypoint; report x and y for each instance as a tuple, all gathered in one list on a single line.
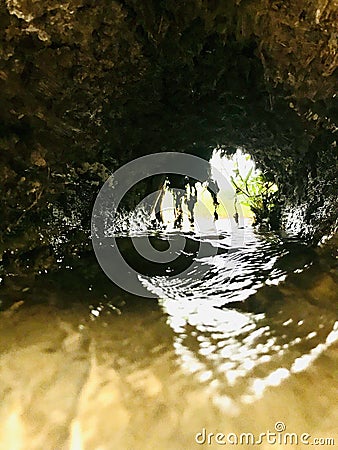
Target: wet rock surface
[(86, 86)]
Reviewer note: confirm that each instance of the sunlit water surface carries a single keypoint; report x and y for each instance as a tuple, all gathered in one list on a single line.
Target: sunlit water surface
[(248, 343)]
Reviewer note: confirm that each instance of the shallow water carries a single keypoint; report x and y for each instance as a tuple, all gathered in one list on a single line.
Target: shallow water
[(249, 342)]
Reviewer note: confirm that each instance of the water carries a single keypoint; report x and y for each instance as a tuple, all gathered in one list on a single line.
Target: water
[(249, 342)]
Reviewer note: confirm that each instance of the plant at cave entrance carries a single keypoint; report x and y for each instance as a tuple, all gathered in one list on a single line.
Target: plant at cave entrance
[(250, 189), (253, 190)]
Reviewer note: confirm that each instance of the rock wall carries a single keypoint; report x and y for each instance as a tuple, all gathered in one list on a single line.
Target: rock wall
[(86, 85)]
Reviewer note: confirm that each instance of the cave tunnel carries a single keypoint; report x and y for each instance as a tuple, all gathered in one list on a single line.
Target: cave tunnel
[(87, 87)]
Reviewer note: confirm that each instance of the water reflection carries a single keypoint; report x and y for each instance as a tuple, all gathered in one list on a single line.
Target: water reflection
[(236, 343), (85, 366), (244, 352)]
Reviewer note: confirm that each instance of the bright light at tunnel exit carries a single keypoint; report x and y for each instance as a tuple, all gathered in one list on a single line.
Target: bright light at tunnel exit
[(229, 201)]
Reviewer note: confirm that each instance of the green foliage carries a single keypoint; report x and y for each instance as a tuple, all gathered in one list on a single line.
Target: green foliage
[(253, 190)]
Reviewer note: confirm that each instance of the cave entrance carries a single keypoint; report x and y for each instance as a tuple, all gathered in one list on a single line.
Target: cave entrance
[(243, 194)]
